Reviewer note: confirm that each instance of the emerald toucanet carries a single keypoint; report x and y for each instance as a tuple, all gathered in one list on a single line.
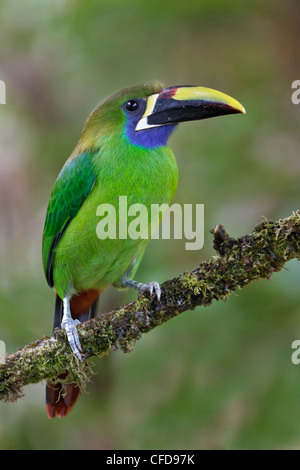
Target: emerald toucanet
[(122, 152)]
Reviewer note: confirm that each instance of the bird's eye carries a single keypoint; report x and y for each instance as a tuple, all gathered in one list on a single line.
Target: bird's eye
[(132, 106)]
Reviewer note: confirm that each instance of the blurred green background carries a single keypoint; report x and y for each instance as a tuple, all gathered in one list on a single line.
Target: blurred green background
[(216, 378)]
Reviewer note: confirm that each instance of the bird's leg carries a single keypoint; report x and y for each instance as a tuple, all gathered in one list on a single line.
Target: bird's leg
[(150, 287), (70, 326), (126, 281)]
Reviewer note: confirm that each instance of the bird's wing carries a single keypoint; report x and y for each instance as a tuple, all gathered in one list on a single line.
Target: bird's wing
[(71, 188)]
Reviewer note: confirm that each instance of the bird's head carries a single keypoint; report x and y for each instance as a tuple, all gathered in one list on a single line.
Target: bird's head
[(146, 115)]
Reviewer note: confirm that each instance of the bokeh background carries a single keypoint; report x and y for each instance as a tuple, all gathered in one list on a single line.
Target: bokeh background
[(216, 378)]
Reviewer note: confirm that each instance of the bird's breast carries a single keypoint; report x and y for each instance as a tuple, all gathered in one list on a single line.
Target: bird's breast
[(121, 192)]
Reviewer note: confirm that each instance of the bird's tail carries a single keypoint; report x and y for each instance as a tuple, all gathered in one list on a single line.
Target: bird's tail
[(61, 397)]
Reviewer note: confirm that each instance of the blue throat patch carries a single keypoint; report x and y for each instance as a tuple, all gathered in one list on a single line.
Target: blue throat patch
[(149, 138)]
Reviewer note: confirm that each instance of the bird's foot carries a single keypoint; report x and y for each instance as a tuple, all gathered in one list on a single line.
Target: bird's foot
[(151, 287), (70, 327)]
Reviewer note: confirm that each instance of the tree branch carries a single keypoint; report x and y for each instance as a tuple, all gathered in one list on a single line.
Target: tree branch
[(236, 264)]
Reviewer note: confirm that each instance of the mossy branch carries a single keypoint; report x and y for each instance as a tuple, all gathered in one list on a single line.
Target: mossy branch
[(236, 264)]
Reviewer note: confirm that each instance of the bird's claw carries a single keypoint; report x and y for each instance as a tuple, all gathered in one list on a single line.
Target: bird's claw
[(150, 287), (70, 327)]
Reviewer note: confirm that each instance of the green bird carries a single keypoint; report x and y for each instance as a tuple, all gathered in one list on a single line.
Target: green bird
[(122, 151)]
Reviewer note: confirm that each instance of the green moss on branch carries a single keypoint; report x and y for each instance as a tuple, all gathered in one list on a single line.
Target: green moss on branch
[(236, 264)]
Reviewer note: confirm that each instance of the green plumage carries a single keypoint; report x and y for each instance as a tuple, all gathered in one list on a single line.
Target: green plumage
[(70, 191), (122, 153), (103, 166)]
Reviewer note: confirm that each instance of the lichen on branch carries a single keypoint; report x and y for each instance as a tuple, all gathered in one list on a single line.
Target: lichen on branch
[(237, 262)]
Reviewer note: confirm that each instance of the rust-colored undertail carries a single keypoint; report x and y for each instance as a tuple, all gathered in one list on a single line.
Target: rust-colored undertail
[(61, 397)]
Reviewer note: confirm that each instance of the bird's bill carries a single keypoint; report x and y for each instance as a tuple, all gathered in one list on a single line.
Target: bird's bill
[(186, 103)]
